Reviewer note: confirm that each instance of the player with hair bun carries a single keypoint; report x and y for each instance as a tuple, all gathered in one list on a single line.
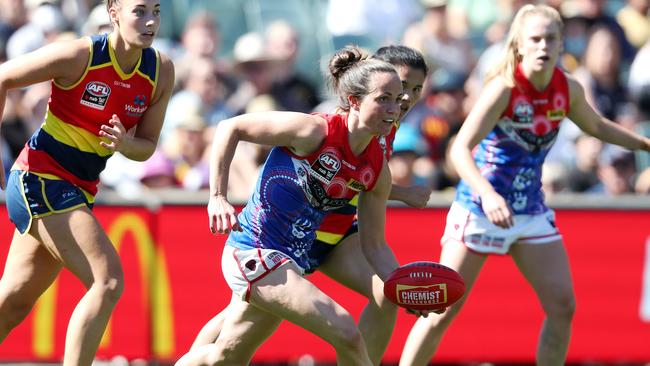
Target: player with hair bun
[(319, 163), (336, 250), (499, 206)]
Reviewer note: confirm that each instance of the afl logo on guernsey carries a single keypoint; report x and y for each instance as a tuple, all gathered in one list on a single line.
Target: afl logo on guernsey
[(95, 95), (330, 162), (326, 167)]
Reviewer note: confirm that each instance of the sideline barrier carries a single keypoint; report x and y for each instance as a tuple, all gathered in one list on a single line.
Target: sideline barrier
[(174, 284)]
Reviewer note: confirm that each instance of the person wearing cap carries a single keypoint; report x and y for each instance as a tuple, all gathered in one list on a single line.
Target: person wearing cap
[(108, 94), (499, 206)]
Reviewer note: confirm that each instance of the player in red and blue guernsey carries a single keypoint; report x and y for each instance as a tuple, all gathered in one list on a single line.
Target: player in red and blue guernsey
[(109, 94), (336, 250), (319, 163), (499, 206)]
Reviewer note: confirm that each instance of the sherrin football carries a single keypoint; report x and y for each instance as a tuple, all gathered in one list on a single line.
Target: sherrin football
[(424, 286)]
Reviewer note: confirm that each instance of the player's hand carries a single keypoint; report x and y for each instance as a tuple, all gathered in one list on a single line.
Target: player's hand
[(222, 216), (496, 209), (424, 313), (114, 131), (417, 196)]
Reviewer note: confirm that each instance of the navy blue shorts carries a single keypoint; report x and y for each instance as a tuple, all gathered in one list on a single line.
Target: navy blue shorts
[(320, 250), (31, 196)]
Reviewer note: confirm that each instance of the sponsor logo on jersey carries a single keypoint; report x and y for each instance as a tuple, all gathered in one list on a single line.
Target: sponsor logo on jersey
[(122, 84), (95, 95), (555, 114), (356, 185), (326, 167), (422, 295), (137, 108)]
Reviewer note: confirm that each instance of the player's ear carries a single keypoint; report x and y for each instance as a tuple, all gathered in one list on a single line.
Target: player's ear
[(355, 102)]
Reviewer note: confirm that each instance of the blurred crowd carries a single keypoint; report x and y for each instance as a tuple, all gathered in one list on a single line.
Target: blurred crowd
[(606, 44)]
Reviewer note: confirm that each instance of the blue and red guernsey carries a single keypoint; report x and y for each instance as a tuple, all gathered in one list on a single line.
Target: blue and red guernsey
[(294, 193), (67, 145), (337, 223), (510, 157)]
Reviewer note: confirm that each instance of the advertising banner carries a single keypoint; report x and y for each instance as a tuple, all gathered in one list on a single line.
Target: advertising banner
[(172, 266)]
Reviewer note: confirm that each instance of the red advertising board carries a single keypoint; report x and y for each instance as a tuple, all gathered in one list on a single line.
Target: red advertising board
[(174, 284)]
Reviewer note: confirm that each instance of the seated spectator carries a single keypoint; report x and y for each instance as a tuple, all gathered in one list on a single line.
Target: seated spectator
[(45, 23), (616, 171), (13, 15), (292, 91), (600, 75), (633, 17), (642, 185), (98, 21), (186, 149), (431, 36), (202, 93), (255, 67), (583, 175), (158, 172)]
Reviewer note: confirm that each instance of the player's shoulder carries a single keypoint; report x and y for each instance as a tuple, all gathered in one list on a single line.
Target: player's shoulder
[(498, 89), (77, 49)]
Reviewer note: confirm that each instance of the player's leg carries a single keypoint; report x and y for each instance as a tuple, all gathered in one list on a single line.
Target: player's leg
[(546, 267), (210, 331), (426, 333), (29, 270), (81, 245), (245, 327), (346, 264), (286, 294)]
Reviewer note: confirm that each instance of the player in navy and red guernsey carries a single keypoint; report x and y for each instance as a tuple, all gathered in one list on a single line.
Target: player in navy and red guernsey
[(319, 163), (336, 250), (109, 94), (499, 206)]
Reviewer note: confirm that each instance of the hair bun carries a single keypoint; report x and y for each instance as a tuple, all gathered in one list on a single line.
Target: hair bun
[(344, 59)]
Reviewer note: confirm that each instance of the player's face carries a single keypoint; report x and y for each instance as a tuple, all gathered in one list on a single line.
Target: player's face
[(139, 21), (540, 43), (412, 80), (380, 109)]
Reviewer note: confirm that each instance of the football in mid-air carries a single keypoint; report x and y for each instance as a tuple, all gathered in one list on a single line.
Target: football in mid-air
[(427, 286)]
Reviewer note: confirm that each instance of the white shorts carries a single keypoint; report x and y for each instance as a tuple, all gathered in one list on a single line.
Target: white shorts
[(480, 235), (242, 268)]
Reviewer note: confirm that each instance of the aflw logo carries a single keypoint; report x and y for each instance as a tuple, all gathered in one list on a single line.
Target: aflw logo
[(95, 95)]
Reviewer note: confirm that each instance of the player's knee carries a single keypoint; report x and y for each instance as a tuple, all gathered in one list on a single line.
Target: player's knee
[(563, 307), (110, 289), (347, 335)]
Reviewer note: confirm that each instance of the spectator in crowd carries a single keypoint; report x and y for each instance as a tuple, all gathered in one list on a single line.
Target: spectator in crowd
[(642, 185), (616, 171), (187, 150), (98, 21), (581, 17), (583, 175), (200, 39), (13, 15), (202, 92), (158, 172), (633, 17), (600, 74), (291, 90), (255, 67), (431, 36), (369, 23), (46, 22)]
